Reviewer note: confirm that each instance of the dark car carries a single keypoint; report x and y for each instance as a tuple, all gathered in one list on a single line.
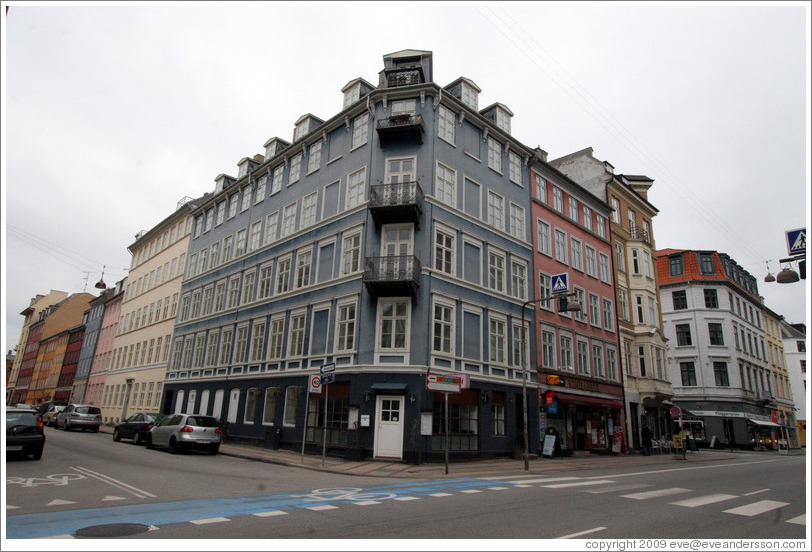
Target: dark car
[(42, 408), (25, 432), (136, 427)]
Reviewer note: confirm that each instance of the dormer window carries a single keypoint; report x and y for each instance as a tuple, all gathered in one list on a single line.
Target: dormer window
[(352, 95), (469, 95), (503, 120), (301, 130)]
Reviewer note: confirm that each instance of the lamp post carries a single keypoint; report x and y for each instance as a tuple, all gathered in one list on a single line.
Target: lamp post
[(567, 306)]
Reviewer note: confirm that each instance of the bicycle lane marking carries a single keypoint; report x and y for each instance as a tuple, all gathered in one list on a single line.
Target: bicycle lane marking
[(114, 482), (156, 514)]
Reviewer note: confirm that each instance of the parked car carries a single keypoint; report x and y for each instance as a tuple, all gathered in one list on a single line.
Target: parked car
[(136, 427), (80, 416), (180, 432), (24, 432), (42, 408), (26, 406), (49, 417)]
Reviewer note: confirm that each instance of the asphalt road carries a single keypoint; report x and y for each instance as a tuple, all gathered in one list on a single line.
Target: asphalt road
[(86, 485)]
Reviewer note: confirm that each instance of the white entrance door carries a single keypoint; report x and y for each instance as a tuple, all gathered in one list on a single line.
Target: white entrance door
[(233, 405), (217, 410), (179, 403), (389, 427)]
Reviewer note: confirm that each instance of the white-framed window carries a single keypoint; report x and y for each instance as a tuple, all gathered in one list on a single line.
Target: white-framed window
[(352, 95), (594, 310), (209, 220), (615, 210), (200, 342), (248, 287), (580, 315), (289, 219), (276, 182), (211, 348), (445, 187), (517, 221), (496, 211), (541, 188), (241, 345), (283, 275), (205, 303), (356, 186), (558, 199), (469, 96), (496, 271), (233, 292), (544, 237), (265, 281), (301, 130), (591, 261), (647, 264), (225, 346), (192, 265), (446, 124), (256, 236), (611, 363), (404, 107), (600, 224), (561, 246), (261, 184), (309, 209), (221, 215), (620, 257), (497, 338), (198, 226), (520, 346), (203, 264), (606, 274), (276, 338), (246, 198), (547, 349), (314, 157), (582, 357), (269, 407), (257, 340), (514, 168), (546, 290), (587, 217), (295, 169), (444, 251), (576, 253), (360, 131), (495, 155), (297, 335), (608, 315), (304, 261), (271, 227), (565, 351), (351, 253), (597, 360), (393, 323), (443, 328), (632, 220), (345, 327), (623, 304), (518, 276), (219, 296), (573, 209), (291, 404)]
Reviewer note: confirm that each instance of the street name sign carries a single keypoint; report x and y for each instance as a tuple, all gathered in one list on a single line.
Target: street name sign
[(327, 368), (329, 377)]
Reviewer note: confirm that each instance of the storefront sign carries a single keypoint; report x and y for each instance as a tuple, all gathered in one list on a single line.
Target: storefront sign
[(552, 408), (583, 385), (440, 382), (542, 424)]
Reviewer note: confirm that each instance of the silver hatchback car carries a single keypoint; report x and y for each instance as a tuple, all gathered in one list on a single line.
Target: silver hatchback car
[(181, 432), (79, 416)]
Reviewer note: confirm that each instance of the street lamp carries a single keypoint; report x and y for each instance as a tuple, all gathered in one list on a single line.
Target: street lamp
[(564, 305)]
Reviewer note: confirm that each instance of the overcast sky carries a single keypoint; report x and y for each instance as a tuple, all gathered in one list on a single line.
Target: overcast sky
[(113, 113)]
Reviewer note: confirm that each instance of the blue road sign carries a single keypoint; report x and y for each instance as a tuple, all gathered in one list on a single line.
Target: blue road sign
[(560, 283), (328, 378), (796, 241), (327, 368)]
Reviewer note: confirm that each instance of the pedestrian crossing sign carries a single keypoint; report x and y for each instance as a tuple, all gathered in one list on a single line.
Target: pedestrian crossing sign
[(560, 283), (796, 241)]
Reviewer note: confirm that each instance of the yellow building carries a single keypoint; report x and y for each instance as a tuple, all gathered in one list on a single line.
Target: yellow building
[(779, 377)]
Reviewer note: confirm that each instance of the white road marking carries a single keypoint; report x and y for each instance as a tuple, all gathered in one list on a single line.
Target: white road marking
[(756, 492), (58, 537), (320, 508), (655, 494), (367, 503), (587, 532), (497, 488), (109, 498), (614, 488), (703, 500), (10, 507), (757, 508), (577, 484), (270, 513), (547, 480), (209, 520), (404, 498), (523, 486), (714, 466), (114, 482), (471, 491), (800, 520), (440, 494), (59, 502)]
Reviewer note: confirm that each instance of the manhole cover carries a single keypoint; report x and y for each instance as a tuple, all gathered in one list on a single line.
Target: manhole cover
[(112, 530)]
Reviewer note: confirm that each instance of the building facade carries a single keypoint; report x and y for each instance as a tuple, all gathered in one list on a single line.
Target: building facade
[(794, 336), (784, 413), (36, 305), (647, 386), (97, 376), (580, 383), (389, 241), (148, 310), (717, 352), (91, 320)]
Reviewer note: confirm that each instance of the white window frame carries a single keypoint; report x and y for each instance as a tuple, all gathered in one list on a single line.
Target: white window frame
[(497, 272), (446, 124), (445, 185), (558, 199), (356, 186), (494, 156), (447, 327), (561, 249), (360, 131), (517, 223), (514, 168), (497, 342), (351, 251), (380, 323), (310, 204), (442, 252), (314, 157), (496, 210), (518, 279), (282, 283), (289, 219), (576, 253), (345, 329), (544, 237), (591, 255), (271, 227)]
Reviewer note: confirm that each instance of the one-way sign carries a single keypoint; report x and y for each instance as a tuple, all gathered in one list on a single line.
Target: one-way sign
[(796, 241)]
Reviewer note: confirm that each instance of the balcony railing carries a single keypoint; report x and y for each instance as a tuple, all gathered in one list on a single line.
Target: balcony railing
[(404, 76), (392, 275), (637, 233), (401, 126), (400, 202)]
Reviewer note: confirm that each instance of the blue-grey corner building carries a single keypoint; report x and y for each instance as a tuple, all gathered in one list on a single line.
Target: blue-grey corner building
[(390, 240)]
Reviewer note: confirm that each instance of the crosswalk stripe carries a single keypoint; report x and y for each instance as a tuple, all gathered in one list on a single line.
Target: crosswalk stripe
[(270, 513), (655, 494), (577, 484), (702, 500), (800, 520), (757, 508), (320, 508), (440, 494), (209, 520), (497, 488), (545, 480), (367, 503), (471, 491), (614, 488), (404, 498)]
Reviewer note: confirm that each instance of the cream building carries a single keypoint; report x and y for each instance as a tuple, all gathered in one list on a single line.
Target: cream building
[(781, 386), (141, 349)]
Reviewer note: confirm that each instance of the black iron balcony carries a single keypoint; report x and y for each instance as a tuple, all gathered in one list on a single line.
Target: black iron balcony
[(392, 275), (637, 233), (404, 76), (401, 126), (401, 202)]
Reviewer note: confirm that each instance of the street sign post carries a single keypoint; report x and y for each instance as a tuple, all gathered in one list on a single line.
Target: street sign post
[(447, 384)]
